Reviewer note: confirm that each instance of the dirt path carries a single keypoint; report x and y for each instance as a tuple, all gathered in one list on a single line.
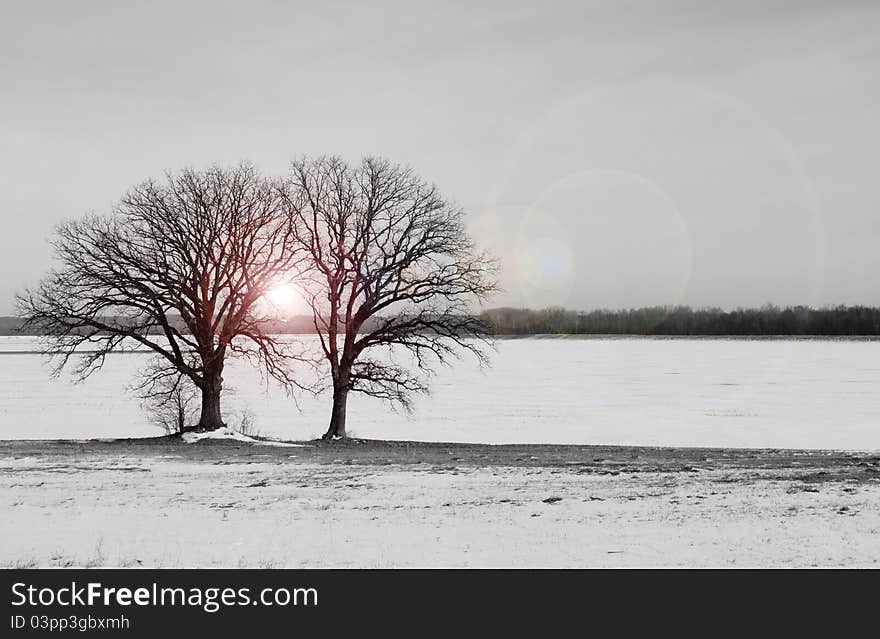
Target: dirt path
[(366, 504)]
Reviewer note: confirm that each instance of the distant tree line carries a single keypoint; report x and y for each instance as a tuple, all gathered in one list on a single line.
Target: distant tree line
[(654, 320), (683, 320)]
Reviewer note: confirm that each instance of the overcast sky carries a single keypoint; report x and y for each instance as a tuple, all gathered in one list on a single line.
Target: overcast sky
[(612, 154)]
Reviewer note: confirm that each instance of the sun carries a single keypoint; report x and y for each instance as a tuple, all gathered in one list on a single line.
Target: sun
[(284, 298)]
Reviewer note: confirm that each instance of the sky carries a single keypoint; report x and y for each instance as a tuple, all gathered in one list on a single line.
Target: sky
[(610, 154)]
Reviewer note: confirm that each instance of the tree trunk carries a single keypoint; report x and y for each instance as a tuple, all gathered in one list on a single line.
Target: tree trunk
[(210, 418), (337, 416)]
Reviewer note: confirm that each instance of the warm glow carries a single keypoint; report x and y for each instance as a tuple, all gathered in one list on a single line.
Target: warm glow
[(284, 298)]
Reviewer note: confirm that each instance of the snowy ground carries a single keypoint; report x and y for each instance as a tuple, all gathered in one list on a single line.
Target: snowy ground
[(229, 503), (659, 392)]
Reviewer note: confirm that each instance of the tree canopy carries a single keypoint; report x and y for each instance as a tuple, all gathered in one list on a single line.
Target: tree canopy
[(391, 267), (179, 267)]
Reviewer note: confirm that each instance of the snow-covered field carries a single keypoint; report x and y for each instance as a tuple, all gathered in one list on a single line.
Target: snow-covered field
[(675, 392), (230, 503)]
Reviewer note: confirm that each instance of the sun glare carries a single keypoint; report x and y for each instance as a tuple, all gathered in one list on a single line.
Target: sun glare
[(284, 298)]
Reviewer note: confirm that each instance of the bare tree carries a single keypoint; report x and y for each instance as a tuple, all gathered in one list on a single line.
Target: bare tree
[(178, 268), (392, 266), (170, 402)]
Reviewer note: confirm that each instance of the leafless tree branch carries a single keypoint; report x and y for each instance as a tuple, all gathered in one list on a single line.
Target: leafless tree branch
[(179, 268), (392, 265)]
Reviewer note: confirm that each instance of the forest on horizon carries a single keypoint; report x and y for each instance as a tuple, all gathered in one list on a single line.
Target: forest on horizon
[(684, 320), (652, 320)]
